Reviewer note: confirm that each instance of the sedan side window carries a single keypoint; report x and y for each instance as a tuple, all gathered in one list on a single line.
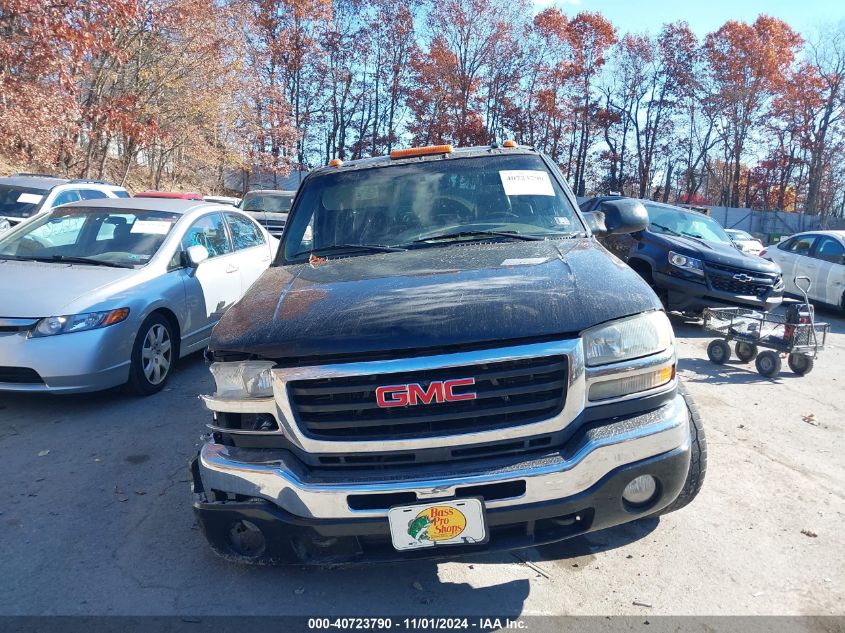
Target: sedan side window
[(208, 231), (245, 233), (830, 250), (803, 245), (66, 197)]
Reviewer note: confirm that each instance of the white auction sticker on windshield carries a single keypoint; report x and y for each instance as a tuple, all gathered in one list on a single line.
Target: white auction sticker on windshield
[(526, 182), (151, 227), (29, 198)]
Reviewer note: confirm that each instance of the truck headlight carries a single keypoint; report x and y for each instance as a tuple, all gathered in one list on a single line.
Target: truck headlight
[(50, 326), (687, 263), (247, 379), (628, 338)]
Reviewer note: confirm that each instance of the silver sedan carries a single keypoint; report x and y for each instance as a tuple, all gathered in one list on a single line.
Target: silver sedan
[(112, 292)]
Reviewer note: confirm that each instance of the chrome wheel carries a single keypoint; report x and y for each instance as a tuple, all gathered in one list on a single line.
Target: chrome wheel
[(156, 354)]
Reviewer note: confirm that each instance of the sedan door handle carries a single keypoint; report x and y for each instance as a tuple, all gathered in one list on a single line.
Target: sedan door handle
[(232, 268)]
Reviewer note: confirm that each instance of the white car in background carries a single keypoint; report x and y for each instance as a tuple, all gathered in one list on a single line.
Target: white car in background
[(819, 255), (745, 242), (23, 196)]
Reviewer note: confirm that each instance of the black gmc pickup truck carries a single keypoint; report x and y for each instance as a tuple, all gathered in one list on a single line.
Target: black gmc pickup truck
[(442, 360)]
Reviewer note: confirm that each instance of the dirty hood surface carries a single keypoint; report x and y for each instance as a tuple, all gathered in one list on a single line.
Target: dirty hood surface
[(434, 297)]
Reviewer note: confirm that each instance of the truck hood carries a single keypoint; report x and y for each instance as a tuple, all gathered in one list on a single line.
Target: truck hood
[(717, 253), (40, 289), (430, 298)]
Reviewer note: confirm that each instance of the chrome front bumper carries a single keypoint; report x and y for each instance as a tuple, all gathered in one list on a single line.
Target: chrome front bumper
[(277, 476)]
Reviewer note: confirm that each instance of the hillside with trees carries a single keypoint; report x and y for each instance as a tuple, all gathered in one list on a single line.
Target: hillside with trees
[(166, 92)]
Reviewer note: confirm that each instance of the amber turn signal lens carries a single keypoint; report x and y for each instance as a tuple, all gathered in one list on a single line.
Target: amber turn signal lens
[(420, 151), (116, 316)]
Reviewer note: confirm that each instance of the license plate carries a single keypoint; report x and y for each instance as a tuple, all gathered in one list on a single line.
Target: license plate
[(459, 522)]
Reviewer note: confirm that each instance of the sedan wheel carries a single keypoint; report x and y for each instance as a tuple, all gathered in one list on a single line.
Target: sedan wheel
[(153, 356), (156, 354)]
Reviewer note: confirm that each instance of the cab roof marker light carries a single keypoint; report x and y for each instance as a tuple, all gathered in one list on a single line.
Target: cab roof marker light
[(335, 162), (509, 143), (429, 150)]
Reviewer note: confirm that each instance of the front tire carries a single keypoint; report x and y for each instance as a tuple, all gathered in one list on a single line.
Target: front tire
[(719, 351), (153, 356), (698, 457), (768, 364)]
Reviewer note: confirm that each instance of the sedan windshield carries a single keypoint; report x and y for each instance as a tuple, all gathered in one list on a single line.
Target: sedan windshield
[(103, 237), (20, 202), (429, 203), (670, 221)]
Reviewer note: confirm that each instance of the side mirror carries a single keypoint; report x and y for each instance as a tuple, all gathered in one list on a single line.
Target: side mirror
[(623, 216), (595, 220), (197, 254)]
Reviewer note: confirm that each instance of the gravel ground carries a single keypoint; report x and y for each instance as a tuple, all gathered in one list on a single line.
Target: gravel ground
[(96, 517)]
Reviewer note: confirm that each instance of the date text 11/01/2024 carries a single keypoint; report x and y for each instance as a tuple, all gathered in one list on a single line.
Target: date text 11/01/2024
[(416, 624)]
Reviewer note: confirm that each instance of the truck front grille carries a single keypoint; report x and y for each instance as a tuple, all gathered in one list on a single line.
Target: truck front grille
[(739, 281), (508, 393), (274, 227)]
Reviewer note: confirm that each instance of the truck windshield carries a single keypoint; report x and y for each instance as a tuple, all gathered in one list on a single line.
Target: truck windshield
[(671, 221), (20, 202), (421, 204)]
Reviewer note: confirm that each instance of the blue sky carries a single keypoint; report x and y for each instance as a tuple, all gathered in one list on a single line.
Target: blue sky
[(704, 16)]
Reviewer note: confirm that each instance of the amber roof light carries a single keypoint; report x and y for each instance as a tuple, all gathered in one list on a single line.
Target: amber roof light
[(335, 162), (420, 151), (509, 144)]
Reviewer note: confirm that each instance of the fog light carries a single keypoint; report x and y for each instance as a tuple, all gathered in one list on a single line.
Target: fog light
[(246, 539), (640, 490)]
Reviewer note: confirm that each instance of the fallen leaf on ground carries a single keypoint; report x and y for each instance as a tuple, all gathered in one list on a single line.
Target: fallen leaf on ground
[(809, 533), (810, 419)]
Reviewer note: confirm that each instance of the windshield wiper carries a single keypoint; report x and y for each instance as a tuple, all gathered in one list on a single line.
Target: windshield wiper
[(373, 248), (665, 228), (480, 234), (67, 259)]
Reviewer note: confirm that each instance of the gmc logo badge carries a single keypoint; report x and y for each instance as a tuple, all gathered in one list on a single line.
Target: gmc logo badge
[(414, 394)]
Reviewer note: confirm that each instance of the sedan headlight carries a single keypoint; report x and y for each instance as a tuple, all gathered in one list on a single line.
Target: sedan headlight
[(50, 326), (687, 263), (247, 379), (627, 338)]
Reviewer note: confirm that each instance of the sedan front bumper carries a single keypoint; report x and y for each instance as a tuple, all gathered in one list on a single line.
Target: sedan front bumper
[(317, 516), (66, 363)]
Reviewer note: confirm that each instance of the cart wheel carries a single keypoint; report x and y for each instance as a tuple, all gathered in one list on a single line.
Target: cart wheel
[(719, 351), (746, 352), (800, 364), (768, 364)]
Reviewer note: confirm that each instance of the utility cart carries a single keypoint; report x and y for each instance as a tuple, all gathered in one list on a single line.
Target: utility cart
[(795, 334)]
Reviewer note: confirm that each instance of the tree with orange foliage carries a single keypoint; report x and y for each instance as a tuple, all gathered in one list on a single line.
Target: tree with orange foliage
[(748, 64), (590, 36)]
